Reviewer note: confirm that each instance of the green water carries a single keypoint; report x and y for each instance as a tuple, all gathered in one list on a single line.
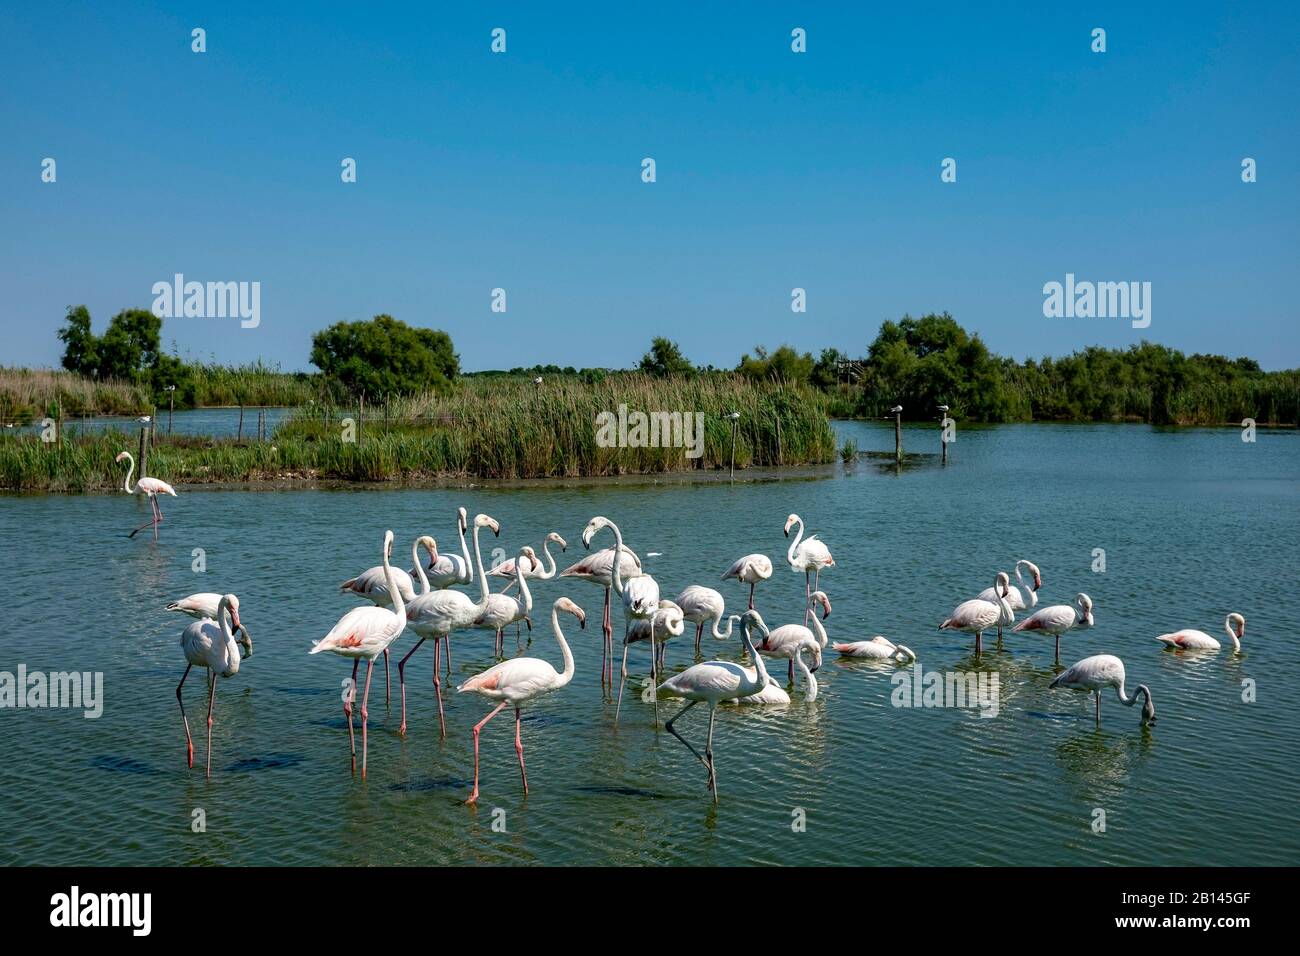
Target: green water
[(1194, 523)]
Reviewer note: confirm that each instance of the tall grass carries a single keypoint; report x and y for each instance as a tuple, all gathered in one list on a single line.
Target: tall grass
[(28, 394), (256, 384)]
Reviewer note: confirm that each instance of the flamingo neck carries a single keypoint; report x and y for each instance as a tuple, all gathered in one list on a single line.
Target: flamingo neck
[(550, 559), (130, 470), (762, 679), (720, 634), (399, 606), (809, 677), (478, 564), (567, 674), (464, 553), (232, 649), (615, 576), (525, 595), (798, 537), (821, 631), (1236, 641), (419, 566)]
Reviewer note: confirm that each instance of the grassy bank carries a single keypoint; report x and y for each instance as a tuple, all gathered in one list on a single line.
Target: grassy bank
[(499, 429)]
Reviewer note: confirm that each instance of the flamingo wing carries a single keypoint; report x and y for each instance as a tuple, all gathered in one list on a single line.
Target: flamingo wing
[(1058, 617), (362, 632), (519, 679)]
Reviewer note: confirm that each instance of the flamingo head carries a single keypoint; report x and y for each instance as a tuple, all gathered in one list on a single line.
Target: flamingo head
[(462, 519), (1002, 585), (564, 604), (1148, 706), (555, 536), (232, 605), (819, 597), (1038, 577), (388, 544), (487, 521), (527, 552), (594, 525), (1085, 605), (904, 651), (426, 541), (122, 456), (814, 649), (752, 620), (790, 523), (1237, 625)]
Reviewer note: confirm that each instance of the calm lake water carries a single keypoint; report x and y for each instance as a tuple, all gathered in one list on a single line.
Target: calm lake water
[(1194, 523), (212, 422)]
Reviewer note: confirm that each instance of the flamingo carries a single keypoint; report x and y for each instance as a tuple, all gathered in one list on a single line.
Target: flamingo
[(448, 569), (596, 568), (503, 610), (210, 644), (977, 615), (1021, 596), (878, 648), (1059, 618), (809, 556), (701, 605), (669, 617), (772, 694), (521, 680), (533, 568), (712, 682), (363, 634), (786, 640), (150, 487), (436, 613), (1191, 640), (1098, 672), (750, 569), (206, 605)]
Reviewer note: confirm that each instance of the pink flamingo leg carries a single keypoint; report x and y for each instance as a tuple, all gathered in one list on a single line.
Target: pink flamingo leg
[(212, 702), (401, 680), (365, 717), (751, 594), (388, 686), (519, 749), (473, 797), (448, 640), (437, 684), (807, 598), (699, 633), (347, 710), (189, 741)]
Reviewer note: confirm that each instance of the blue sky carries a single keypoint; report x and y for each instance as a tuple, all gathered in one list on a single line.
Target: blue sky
[(775, 170)]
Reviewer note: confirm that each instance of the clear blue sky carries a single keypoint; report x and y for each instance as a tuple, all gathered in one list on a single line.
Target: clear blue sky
[(775, 170)]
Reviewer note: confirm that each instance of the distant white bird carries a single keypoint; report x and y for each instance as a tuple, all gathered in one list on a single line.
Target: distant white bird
[(808, 555), (976, 616), (786, 640), (1059, 618), (363, 634), (750, 569), (712, 682), (1191, 640), (205, 604), (700, 606), (1099, 672), (597, 569), (210, 644), (150, 487), (1021, 596), (878, 648), (520, 680)]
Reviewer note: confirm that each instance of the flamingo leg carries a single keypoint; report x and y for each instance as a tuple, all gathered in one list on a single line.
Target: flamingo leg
[(347, 709), (437, 685), (751, 594), (212, 702), (999, 635), (672, 730), (1058, 648), (473, 797), (654, 673), (388, 686), (623, 681), (365, 717), (607, 656), (519, 749), (807, 598), (189, 741), (151, 523), (790, 673), (448, 640), (699, 633), (1098, 695), (708, 752), (401, 679)]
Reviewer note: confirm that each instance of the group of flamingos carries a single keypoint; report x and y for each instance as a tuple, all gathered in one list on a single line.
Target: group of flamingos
[(437, 611)]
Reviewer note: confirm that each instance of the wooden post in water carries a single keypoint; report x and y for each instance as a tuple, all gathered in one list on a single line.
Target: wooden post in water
[(735, 420), (898, 433), (144, 451), (239, 435), (361, 413), (943, 432)]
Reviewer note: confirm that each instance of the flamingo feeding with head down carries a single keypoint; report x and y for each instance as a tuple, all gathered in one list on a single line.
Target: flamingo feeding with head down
[(1020, 596), (1059, 618), (150, 488), (363, 634), (205, 605), (597, 568), (977, 615), (701, 606), (750, 569), (712, 682), (787, 639), (878, 648), (808, 555), (1192, 640), (210, 644), (1099, 672), (521, 680)]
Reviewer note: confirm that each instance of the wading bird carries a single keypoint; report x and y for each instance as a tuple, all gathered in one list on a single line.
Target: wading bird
[(809, 556), (700, 606), (520, 680), (536, 570), (1020, 596), (502, 610), (787, 639), (750, 569), (976, 615), (448, 569), (150, 487), (772, 694), (712, 682), (597, 569), (1059, 618), (1098, 672), (203, 605), (878, 648), (372, 584), (210, 644), (1192, 640), (363, 634), (667, 621)]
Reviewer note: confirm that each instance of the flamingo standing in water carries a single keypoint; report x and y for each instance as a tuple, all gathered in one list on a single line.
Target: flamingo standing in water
[(448, 569), (712, 682), (149, 487), (1059, 618), (787, 639), (205, 605), (521, 680), (372, 585), (878, 648), (210, 644), (597, 569), (542, 570), (808, 555), (750, 569), (667, 620), (772, 694), (1099, 672), (700, 606), (977, 615), (363, 634), (502, 610), (1020, 596), (1193, 640)]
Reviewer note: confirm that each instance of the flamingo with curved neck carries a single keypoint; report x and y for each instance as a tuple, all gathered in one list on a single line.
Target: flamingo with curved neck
[(1099, 672), (210, 644), (809, 556), (150, 487)]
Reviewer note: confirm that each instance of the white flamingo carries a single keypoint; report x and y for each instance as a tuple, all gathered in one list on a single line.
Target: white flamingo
[(448, 569), (1192, 640), (205, 604), (521, 680), (210, 644), (878, 648), (712, 682), (150, 488), (543, 570), (363, 634), (597, 569), (977, 615), (436, 613), (701, 606), (750, 569), (1020, 596), (1059, 618), (666, 621), (808, 555), (1098, 672), (773, 694), (787, 639), (502, 610)]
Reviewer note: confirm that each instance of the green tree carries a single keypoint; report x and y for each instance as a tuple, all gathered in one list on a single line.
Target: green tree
[(665, 358), (131, 344), (783, 365), (385, 356), (80, 347)]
